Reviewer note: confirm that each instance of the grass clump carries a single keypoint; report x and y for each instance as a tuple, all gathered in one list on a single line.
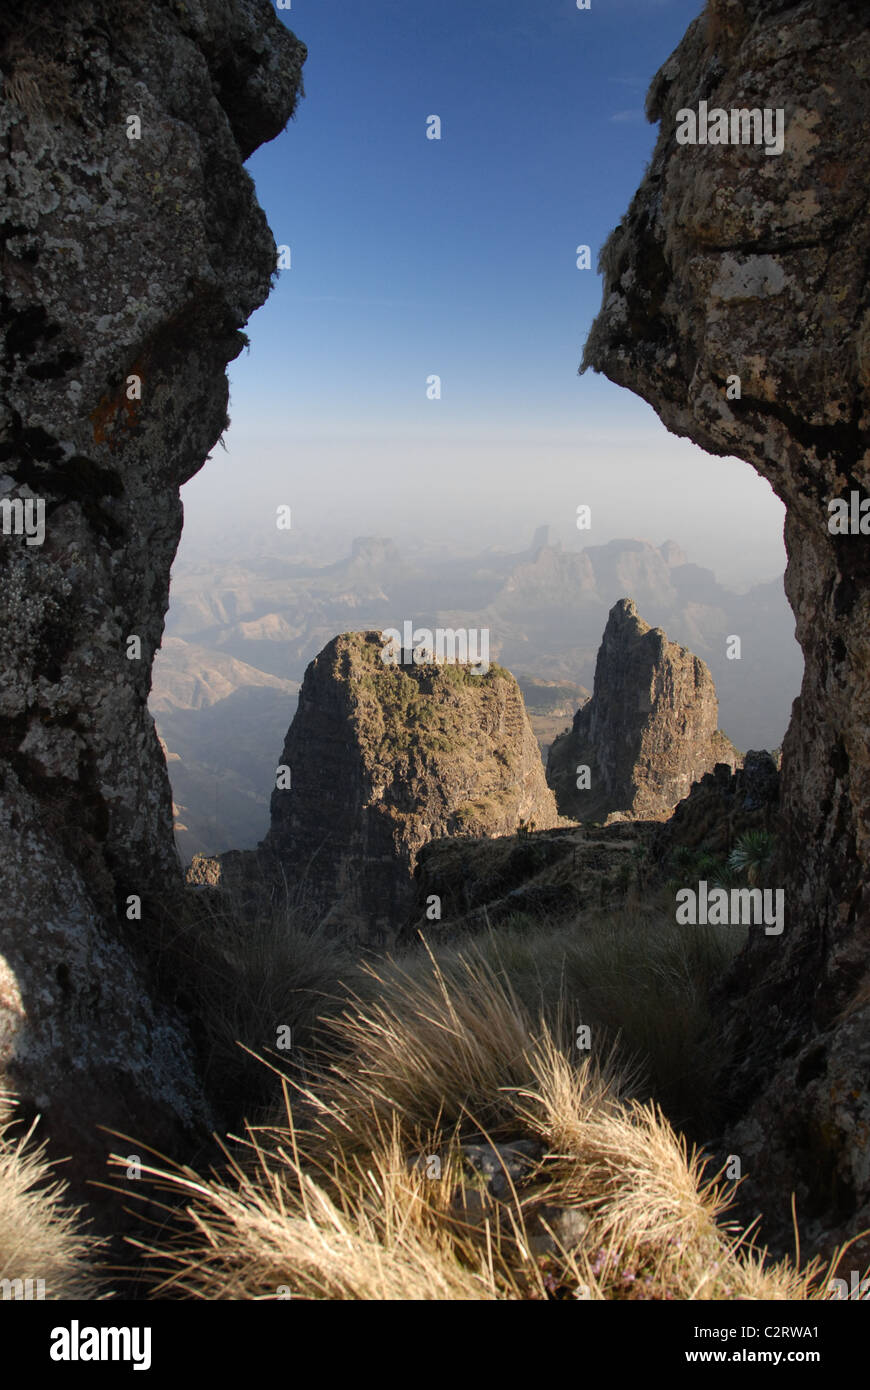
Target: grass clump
[(344, 1208), (42, 1236), (638, 978)]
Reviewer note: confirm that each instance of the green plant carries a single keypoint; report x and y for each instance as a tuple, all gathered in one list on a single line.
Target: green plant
[(752, 855)]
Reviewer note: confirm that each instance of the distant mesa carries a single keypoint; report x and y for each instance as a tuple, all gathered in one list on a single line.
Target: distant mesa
[(673, 554), (375, 550), (648, 733)]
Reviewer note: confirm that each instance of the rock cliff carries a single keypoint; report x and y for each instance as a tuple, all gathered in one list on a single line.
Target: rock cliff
[(736, 271), (383, 759), (133, 251), (649, 731)]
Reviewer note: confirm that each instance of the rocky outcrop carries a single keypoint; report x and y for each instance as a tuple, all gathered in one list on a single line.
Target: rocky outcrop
[(554, 876), (739, 270), (649, 731), (383, 758), (133, 251), (724, 805)]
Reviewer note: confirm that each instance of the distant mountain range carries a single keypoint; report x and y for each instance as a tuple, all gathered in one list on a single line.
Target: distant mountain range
[(239, 638)]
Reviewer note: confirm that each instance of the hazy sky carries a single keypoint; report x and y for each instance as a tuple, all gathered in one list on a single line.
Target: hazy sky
[(414, 257)]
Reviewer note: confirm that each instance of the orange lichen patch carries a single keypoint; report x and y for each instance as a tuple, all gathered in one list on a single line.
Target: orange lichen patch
[(116, 412)]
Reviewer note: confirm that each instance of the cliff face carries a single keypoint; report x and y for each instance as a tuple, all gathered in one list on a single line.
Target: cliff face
[(133, 251), (732, 262), (649, 731), (383, 759)]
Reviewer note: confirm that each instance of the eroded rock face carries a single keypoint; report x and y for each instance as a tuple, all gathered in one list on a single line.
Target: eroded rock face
[(649, 731), (129, 265), (732, 262), (385, 758), (723, 806)]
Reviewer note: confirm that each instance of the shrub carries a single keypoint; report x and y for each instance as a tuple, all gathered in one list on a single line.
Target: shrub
[(752, 856)]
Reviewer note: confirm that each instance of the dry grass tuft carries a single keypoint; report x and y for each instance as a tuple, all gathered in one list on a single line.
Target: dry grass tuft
[(640, 980), (41, 1236), (347, 1209), (432, 1045), (270, 1230)]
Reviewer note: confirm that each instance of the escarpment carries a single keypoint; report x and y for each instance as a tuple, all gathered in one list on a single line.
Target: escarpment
[(649, 731), (736, 303), (382, 758), (133, 251)]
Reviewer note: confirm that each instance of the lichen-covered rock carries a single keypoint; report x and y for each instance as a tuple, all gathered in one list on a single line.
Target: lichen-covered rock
[(384, 758), (649, 731), (733, 263), (133, 251)]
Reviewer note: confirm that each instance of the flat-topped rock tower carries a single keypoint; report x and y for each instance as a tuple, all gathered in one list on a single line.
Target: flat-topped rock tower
[(384, 758)]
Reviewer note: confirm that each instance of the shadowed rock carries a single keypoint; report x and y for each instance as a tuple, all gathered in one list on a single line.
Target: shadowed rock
[(733, 263), (723, 806), (129, 267)]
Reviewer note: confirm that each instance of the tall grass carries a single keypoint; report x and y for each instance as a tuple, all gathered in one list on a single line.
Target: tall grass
[(361, 1185), (253, 979), (637, 978)]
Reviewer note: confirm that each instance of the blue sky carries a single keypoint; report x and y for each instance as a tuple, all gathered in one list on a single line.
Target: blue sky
[(413, 256), (457, 257)]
